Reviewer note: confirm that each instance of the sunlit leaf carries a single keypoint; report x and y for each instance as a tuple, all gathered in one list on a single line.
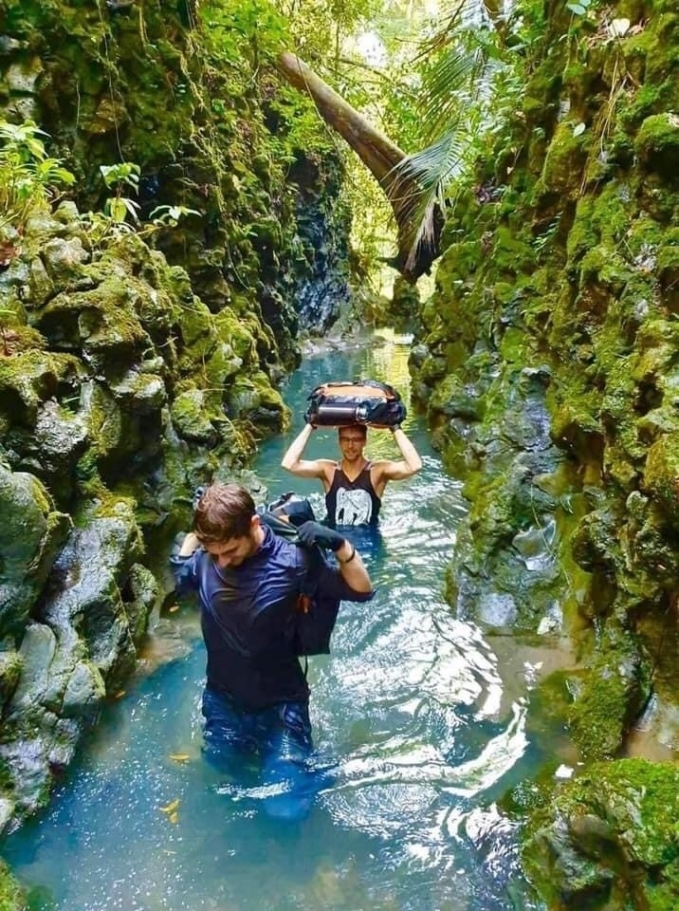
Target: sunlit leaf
[(116, 209), (131, 206), (171, 807), (180, 757), (579, 129), (619, 27)]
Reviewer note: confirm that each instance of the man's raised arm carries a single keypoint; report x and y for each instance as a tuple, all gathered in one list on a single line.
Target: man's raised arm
[(293, 461), (410, 464)]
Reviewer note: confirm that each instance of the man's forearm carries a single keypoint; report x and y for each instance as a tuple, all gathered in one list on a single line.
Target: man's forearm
[(352, 568), (189, 545), (296, 448), (410, 455)]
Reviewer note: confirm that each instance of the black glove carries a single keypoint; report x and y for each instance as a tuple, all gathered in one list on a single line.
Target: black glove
[(314, 533), (197, 494)]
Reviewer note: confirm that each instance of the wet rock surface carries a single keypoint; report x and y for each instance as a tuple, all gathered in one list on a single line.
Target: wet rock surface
[(546, 362)]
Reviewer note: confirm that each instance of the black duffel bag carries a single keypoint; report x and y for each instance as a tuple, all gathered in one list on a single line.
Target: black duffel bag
[(362, 402)]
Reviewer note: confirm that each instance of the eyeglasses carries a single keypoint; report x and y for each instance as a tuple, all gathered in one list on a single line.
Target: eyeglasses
[(352, 439)]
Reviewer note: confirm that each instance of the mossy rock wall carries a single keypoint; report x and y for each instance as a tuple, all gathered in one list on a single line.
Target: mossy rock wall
[(132, 370), (609, 839), (559, 271), (212, 130), (120, 392)]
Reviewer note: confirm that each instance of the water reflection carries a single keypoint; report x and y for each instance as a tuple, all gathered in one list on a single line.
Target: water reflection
[(414, 743)]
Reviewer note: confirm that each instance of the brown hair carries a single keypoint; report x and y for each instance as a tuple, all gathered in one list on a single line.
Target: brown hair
[(363, 430), (223, 512)]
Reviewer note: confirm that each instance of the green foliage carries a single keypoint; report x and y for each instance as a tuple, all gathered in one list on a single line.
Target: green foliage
[(458, 69), (255, 31), (12, 896), (580, 8), (112, 222), (28, 176), (170, 216), (118, 176)]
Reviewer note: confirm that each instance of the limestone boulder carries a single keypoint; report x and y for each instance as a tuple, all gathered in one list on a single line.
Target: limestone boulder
[(31, 533)]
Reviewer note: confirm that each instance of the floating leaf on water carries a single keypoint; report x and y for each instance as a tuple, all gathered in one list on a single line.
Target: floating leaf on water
[(180, 757), (174, 818), (171, 807), (119, 694), (173, 608)]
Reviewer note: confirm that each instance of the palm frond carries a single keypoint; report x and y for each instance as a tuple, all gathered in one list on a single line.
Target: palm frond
[(452, 74), (419, 184)]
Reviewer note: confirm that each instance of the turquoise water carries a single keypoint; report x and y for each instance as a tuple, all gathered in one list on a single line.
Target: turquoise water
[(411, 710)]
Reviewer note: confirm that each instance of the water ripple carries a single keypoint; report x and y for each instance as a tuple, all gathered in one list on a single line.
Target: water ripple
[(413, 739)]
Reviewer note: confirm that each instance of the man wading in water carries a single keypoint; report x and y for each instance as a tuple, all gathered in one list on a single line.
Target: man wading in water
[(353, 486), (249, 582)]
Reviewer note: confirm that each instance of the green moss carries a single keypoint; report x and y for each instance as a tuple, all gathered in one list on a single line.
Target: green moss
[(608, 694), (611, 832), (663, 895), (105, 423), (602, 219), (564, 164), (101, 321), (237, 333), (596, 718), (657, 143), (10, 671), (12, 894), (30, 378), (192, 418), (661, 476)]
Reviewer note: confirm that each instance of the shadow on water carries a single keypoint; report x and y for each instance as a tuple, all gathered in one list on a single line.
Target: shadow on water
[(415, 738)]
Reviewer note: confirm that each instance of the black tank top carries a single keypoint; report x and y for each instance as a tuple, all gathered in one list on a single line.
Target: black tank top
[(352, 502)]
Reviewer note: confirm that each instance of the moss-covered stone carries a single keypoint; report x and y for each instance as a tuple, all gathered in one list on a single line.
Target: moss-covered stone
[(566, 257), (661, 476), (191, 417), (32, 377), (657, 143), (608, 839), (12, 894)]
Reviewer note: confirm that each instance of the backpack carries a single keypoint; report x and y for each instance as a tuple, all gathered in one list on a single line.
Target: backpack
[(363, 402), (312, 623)]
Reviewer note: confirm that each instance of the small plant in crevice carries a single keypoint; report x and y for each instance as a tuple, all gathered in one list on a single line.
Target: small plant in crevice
[(113, 221), (28, 178), (117, 177)]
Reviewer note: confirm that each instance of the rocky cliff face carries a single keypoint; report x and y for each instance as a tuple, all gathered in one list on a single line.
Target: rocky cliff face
[(119, 392), (547, 362), (182, 93), (133, 368)]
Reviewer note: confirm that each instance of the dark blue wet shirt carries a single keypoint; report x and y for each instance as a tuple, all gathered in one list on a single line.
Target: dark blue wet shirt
[(247, 618)]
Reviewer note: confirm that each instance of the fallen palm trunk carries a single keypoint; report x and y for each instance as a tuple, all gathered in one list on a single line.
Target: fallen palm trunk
[(381, 156)]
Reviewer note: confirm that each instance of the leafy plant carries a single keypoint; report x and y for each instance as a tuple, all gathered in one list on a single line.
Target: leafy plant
[(170, 216), (579, 8), (459, 64), (119, 176), (112, 222), (28, 176)]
